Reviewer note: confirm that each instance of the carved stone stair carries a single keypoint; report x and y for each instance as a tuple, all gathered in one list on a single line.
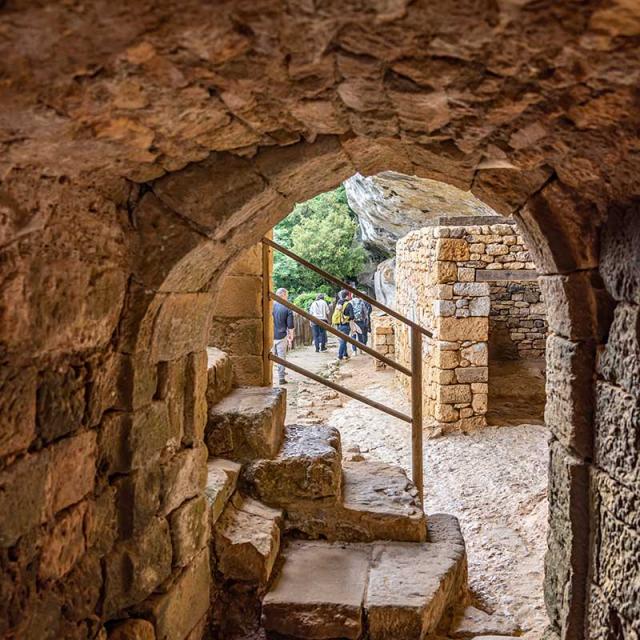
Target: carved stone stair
[(247, 424), (247, 540), (325, 497), (403, 590)]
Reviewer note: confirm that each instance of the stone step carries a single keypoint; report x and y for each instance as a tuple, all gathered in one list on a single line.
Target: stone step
[(319, 591), (247, 424), (219, 375), (414, 587), (379, 502), (307, 467), (247, 540), (222, 478), (325, 590), (471, 622)]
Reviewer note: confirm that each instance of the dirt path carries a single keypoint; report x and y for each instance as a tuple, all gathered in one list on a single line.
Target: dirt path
[(494, 480)]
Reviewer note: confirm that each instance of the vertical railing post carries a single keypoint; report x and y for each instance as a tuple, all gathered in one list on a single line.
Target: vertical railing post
[(416, 411), (267, 332)]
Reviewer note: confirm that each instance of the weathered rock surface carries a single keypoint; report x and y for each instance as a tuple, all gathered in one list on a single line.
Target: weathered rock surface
[(473, 622), (247, 540), (384, 282), (308, 466), (247, 424), (389, 205), (319, 592)]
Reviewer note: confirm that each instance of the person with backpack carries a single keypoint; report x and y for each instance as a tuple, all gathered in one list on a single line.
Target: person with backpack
[(342, 316), (362, 317), (319, 309)]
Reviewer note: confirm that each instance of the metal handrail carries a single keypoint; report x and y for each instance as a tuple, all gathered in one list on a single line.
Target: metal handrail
[(348, 287), (415, 373), (338, 387)]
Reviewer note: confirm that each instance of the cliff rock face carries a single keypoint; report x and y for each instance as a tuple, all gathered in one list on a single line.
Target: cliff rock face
[(390, 205)]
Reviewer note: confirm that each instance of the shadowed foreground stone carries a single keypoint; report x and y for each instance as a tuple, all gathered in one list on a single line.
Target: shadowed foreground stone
[(404, 590), (247, 540), (308, 466), (176, 612), (411, 586), (248, 424), (319, 592)]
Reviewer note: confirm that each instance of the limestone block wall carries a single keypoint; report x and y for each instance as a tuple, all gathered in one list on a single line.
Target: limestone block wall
[(445, 273), (237, 324), (517, 318), (383, 336)]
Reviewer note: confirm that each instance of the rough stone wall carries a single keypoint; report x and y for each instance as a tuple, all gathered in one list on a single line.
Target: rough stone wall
[(237, 323), (444, 273), (517, 321), (613, 605), (383, 336)]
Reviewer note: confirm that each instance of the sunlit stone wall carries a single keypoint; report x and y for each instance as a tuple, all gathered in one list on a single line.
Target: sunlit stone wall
[(446, 274)]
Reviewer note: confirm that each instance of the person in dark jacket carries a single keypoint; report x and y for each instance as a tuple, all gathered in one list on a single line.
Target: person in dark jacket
[(283, 331), (362, 313)]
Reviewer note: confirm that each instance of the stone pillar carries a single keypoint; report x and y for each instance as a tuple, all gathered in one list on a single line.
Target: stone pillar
[(237, 323), (383, 336)]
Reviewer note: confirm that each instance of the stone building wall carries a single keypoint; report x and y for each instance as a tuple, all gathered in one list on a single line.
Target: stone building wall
[(237, 323), (517, 320), (445, 272)]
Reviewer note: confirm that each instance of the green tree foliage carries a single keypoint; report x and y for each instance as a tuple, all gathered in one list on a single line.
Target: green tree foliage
[(322, 231)]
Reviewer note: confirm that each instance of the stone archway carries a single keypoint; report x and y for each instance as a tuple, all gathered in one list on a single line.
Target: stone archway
[(570, 356)]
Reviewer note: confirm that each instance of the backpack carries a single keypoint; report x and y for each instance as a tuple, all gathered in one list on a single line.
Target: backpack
[(359, 310), (338, 316)]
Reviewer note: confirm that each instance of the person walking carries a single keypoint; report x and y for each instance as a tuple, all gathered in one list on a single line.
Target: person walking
[(342, 316), (283, 331), (319, 309), (362, 317)]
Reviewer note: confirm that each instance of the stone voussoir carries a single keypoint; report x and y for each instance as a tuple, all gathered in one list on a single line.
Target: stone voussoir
[(247, 425), (308, 466)]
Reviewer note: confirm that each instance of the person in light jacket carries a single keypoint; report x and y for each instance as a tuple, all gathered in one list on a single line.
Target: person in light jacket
[(319, 309)]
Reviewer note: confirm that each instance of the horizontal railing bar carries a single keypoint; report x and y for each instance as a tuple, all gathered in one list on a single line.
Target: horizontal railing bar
[(344, 285), (343, 336), (340, 388)]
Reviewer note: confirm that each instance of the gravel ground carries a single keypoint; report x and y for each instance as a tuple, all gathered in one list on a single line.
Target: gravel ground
[(494, 481)]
